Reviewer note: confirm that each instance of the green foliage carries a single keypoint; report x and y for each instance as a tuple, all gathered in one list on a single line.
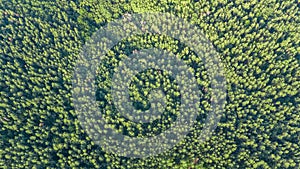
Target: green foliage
[(259, 45)]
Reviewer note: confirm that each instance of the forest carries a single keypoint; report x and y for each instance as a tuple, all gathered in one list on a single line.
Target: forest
[(256, 42)]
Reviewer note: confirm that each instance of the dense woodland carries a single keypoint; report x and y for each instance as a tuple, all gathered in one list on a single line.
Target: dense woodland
[(258, 43)]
